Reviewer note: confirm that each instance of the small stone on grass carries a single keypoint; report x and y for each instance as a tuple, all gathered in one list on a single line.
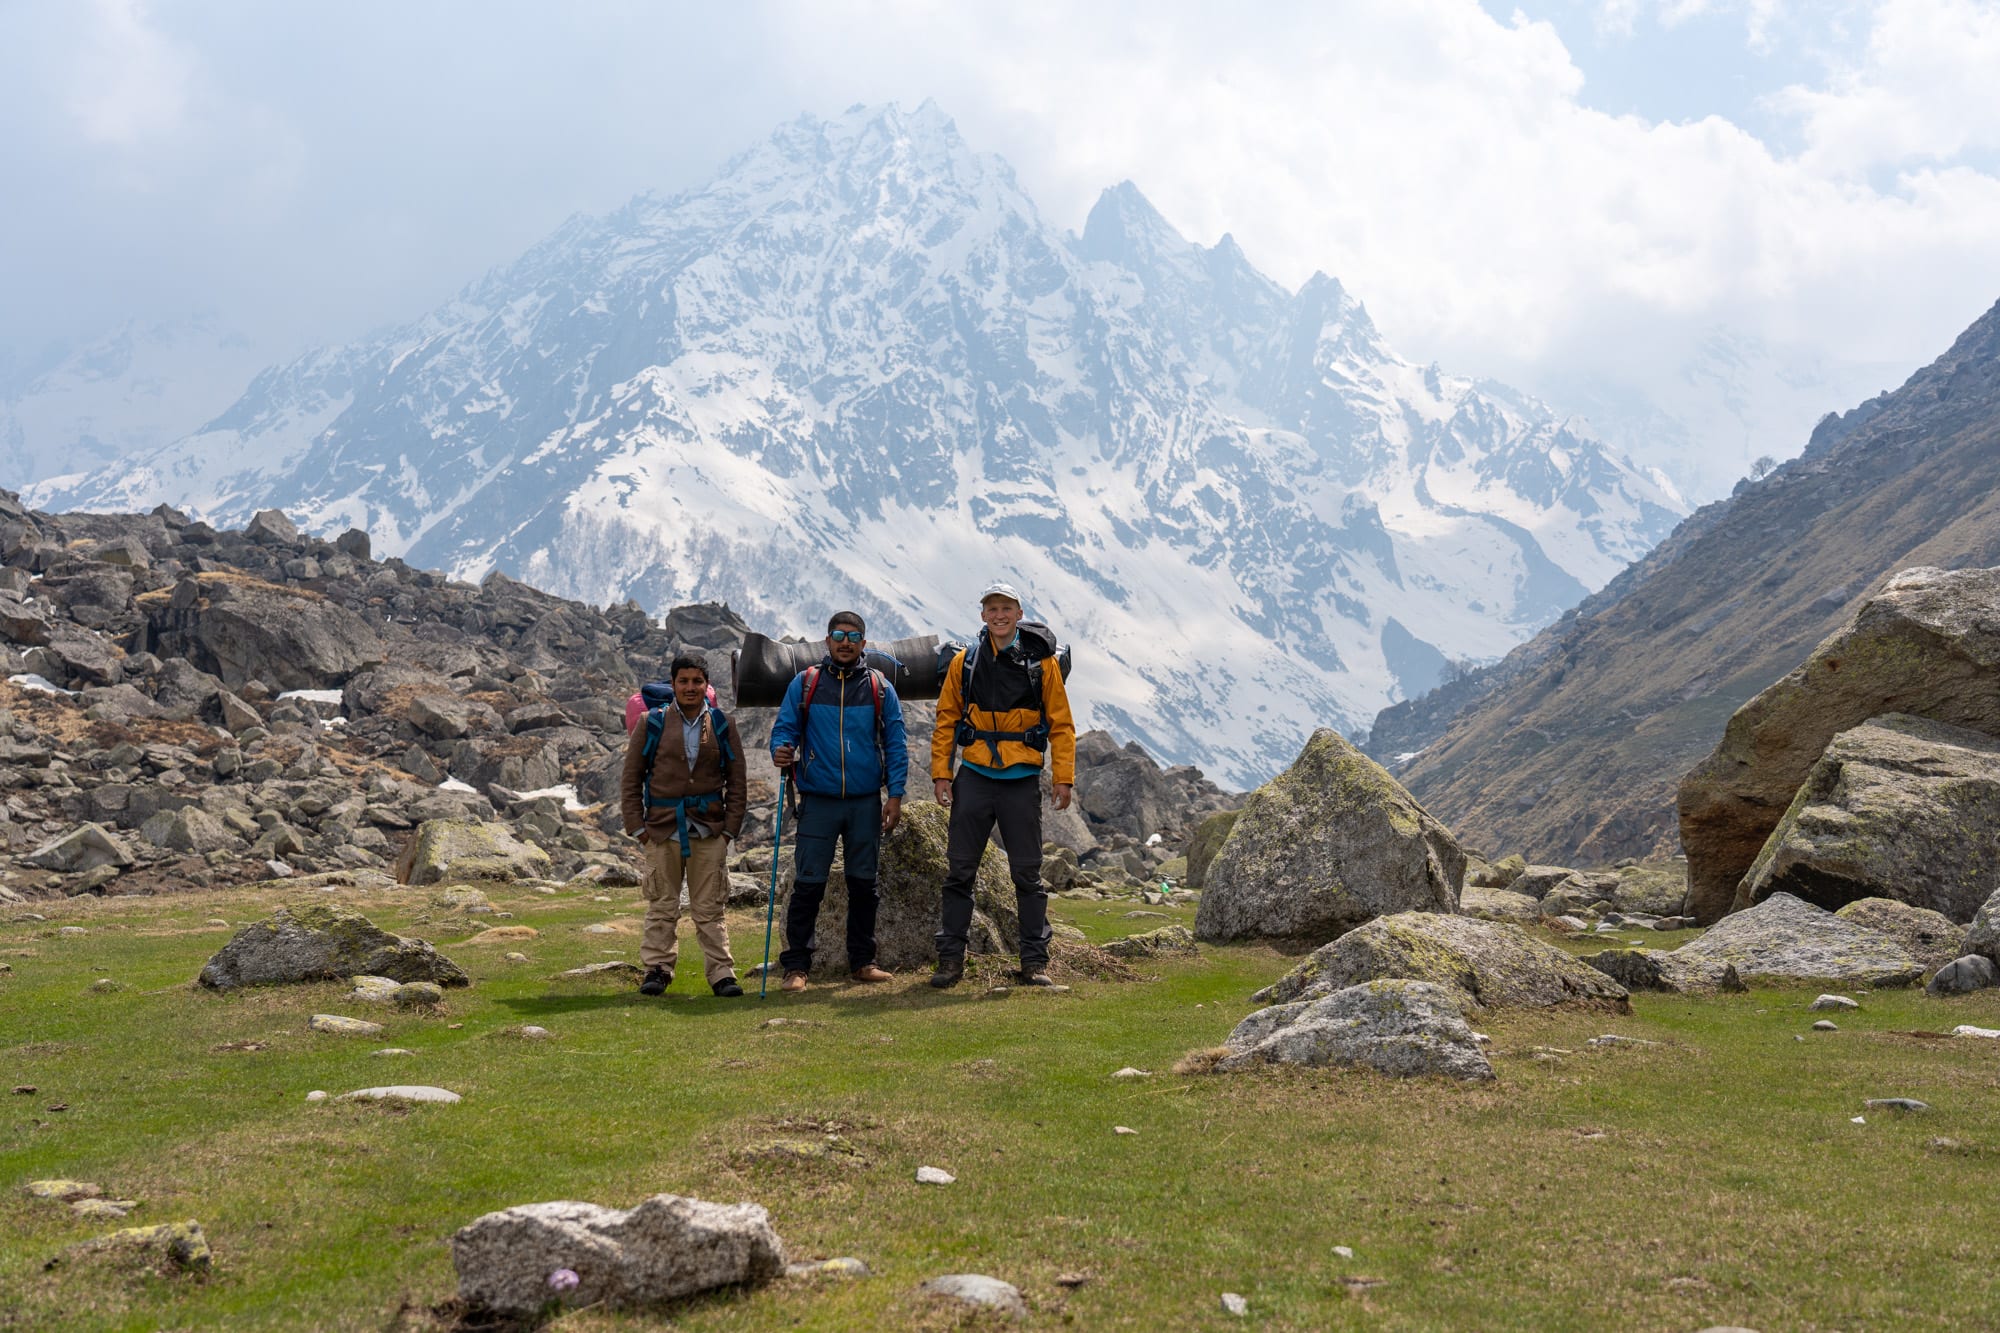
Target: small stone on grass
[(931, 1175), (1235, 1304)]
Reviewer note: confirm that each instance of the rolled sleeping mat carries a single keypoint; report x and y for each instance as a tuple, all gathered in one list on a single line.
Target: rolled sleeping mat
[(764, 667)]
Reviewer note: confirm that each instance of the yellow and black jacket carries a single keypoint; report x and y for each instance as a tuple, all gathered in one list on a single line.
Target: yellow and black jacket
[(1003, 702)]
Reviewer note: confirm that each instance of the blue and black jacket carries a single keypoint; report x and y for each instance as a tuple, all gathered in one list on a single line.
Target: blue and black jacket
[(841, 747)]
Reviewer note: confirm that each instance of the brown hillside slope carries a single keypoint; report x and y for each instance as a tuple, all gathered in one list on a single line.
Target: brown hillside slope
[(1576, 747)]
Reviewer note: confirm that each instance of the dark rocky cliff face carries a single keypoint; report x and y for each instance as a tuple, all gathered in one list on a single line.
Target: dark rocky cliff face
[(1572, 747)]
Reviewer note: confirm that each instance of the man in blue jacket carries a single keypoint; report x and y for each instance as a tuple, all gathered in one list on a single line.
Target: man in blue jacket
[(840, 730)]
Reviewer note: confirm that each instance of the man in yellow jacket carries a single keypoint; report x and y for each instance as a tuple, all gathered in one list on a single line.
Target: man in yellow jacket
[(1003, 705)]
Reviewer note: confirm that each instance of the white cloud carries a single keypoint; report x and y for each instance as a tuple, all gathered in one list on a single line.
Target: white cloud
[(129, 85), (1923, 88), (1444, 166)]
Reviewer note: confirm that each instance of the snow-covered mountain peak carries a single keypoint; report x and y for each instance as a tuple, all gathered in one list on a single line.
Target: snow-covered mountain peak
[(857, 367)]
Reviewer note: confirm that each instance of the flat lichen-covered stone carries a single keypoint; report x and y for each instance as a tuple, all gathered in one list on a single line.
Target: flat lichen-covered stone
[(1166, 942), (1398, 1027), (1930, 936), (1328, 844), (1491, 963), (664, 1249), (1665, 970), (1900, 807), (324, 942), (462, 849), (1490, 904), (182, 1243), (1785, 939)]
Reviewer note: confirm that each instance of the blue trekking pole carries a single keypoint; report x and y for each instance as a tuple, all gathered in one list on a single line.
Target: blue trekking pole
[(771, 907)]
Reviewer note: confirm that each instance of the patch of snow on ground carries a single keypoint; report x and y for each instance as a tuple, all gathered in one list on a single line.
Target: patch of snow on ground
[(34, 681), (314, 696), (453, 784), (565, 790)]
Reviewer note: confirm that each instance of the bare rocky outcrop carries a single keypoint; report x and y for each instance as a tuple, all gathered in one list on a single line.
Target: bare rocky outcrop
[(1329, 844), (1928, 645), (666, 1248), (1932, 938)]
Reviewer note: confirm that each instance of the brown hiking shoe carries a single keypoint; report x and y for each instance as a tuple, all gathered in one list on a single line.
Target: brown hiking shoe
[(793, 982), (870, 973)]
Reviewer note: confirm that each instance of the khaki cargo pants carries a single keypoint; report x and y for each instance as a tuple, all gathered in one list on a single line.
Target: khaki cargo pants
[(707, 877)]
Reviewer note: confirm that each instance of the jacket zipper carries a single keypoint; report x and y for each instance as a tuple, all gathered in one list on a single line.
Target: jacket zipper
[(843, 737)]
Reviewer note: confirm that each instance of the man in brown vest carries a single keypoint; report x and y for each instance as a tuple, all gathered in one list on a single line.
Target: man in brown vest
[(683, 797)]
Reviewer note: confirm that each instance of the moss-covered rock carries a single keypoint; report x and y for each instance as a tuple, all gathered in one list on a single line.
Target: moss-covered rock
[(1206, 841), (462, 849), (1491, 963), (1900, 807), (324, 942), (1786, 940), (1332, 842)]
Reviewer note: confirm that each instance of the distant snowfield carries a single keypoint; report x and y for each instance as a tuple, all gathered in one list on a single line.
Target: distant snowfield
[(857, 369)]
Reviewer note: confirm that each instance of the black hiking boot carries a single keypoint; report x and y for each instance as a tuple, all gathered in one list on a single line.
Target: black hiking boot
[(1031, 974), (727, 988), (656, 982), (950, 971)]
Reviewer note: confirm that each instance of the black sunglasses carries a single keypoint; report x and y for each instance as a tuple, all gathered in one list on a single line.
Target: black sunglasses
[(845, 636)]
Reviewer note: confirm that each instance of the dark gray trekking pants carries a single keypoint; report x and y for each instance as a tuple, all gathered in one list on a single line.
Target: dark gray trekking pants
[(977, 804)]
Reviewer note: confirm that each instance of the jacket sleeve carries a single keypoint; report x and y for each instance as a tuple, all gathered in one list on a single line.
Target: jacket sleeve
[(631, 799), (786, 730), (1062, 727), (735, 786), (895, 742), (949, 708)]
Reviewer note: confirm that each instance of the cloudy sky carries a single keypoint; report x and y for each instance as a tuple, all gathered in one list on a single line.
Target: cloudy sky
[(1603, 200)]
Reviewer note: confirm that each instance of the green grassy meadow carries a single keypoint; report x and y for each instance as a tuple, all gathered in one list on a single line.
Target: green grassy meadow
[(1715, 1178)]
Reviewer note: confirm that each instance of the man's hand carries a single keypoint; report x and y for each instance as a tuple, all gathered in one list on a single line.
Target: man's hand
[(641, 834), (1062, 795), (941, 788), (783, 756), (892, 812)]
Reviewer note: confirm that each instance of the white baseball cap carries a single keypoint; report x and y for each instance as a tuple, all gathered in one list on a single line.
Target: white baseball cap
[(1006, 590)]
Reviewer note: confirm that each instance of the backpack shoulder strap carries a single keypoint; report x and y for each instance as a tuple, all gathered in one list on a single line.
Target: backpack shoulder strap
[(718, 726), (812, 684)]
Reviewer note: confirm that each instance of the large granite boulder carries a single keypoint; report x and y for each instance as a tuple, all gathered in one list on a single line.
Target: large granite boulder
[(1785, 940), (1491, 963), (1900, 807), (1497, 905), (1329, 844), (1928, 644), (324, 942), (1537, 880), (462, 849), (1121, 788), (665, 1249), (1931, 937), (910, 869), (1398, 1027), (85, 847), (1665, 970), (242, 629)]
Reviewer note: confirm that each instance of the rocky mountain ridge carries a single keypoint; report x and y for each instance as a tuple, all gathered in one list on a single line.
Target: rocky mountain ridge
[(183, 707), (1575, 743), (859, 368)]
